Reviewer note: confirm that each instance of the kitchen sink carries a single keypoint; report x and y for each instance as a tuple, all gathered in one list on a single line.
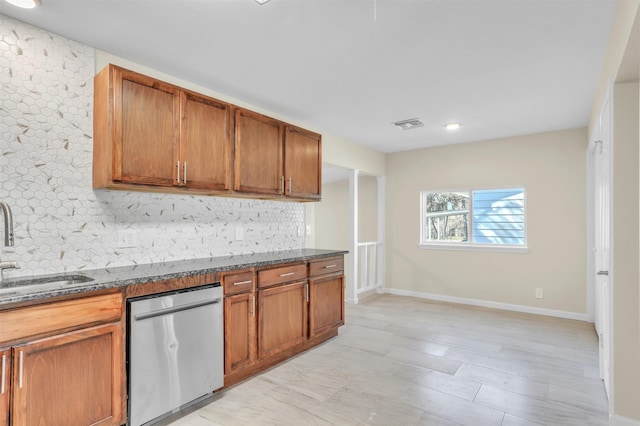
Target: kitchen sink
[(54, 282), (62, 280)]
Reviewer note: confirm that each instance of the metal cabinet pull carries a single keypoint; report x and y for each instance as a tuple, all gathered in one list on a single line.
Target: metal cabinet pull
[(243, 282), (184, 175), (4, 372), (290, 185), (330, 266), (602, 273), (20, 369), (306, 291), (288, 274), (253, 305), (178, 177), (282, 183)]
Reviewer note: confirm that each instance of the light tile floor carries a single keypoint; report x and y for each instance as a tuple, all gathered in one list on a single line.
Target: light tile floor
[(406, 361)]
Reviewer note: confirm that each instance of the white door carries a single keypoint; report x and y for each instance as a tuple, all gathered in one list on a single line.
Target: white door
[(602, 232)]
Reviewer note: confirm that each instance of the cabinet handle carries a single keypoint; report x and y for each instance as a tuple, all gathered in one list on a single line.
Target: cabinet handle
[(184, 175), (306, 291), (282, 183), (20, 367), (288, 274), (4, 372), (243, 282), (253, 305), (330, 266), (178, 177), (290, 185)]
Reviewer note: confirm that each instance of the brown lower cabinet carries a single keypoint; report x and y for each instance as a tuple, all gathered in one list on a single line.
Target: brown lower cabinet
[(240, 344), (274, 313), (282, 318), (326, 304), (68, 378), (240, 331), (77, 370)]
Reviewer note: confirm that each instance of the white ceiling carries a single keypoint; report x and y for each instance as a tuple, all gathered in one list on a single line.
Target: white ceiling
[(352, 67)]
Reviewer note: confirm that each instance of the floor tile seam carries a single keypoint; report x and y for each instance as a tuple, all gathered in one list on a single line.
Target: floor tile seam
[(553, 379), (446, 395), (552, 362), (582, 409), (544, 398), (492, 367), (560, 352), (550, 404), (504, 387)]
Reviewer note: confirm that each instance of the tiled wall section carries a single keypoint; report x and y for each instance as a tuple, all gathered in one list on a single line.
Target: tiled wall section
[(61, 223)]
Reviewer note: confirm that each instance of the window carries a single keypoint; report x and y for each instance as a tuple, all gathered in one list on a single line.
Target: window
[(487, 218)]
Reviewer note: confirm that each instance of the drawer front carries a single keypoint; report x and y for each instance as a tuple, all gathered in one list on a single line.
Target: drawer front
[(269, 277), (38, 319), (326, 266), (238, 282)]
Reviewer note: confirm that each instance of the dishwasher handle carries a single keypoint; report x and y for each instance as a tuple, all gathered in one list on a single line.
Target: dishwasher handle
[(175, 309)]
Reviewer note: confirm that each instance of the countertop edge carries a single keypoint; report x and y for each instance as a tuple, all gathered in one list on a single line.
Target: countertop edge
[(26, 289)]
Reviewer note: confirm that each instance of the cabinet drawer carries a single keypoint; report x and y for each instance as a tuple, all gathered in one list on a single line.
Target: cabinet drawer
[(39, 319), (283, 274), (237, 282), (326, 266)]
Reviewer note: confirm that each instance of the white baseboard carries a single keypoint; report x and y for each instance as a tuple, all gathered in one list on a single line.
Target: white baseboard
[(616, 420), (489, 304)]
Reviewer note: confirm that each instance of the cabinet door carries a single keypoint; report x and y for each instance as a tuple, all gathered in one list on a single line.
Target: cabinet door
[(302, 163), (70, 379), (5, 390), (146, 130), (205, 143), (239, 331), (282, 318), (258, 154), (326, 304)]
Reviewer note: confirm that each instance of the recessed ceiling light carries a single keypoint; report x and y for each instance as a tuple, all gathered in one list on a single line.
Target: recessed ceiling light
[(409, 124), (262, 1), (25, 4), (452, 126)]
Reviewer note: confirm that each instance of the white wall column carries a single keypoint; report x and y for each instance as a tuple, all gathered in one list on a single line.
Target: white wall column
[(382, 196), (352, 268)]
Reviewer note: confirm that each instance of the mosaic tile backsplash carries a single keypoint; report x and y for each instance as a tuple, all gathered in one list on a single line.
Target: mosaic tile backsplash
[(60, 222)]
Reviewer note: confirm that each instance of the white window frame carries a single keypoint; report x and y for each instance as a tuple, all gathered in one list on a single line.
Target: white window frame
[(470, 245)]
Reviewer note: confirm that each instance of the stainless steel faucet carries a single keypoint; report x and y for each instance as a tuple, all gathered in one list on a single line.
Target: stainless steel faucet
[(9, 238)]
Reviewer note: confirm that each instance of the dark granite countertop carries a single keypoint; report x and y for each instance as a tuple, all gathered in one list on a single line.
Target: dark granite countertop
[(21, 289)]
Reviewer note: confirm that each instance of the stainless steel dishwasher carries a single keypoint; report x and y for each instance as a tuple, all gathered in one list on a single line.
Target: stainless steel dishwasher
[(176, 351)]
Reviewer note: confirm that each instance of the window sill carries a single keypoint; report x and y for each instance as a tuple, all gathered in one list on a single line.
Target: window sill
[(474, 247)]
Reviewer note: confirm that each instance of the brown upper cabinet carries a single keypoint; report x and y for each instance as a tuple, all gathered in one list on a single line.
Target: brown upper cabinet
[(206, 143), (302, 163), (154, 136), (258, 156), (147, 132)]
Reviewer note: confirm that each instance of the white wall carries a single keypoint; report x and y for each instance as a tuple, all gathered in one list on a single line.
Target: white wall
[(625, 252), (367, 209), (551, 167), (332, 217), (61, 223), (621, 66), (332, 213)]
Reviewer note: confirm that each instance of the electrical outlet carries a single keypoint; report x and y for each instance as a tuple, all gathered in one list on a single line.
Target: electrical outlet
[(239, 233), (300, 231), (127, 238), (539, 293), (308, 229)]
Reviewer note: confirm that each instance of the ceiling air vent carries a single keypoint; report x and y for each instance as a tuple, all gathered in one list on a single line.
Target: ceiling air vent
[(412, 123)]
